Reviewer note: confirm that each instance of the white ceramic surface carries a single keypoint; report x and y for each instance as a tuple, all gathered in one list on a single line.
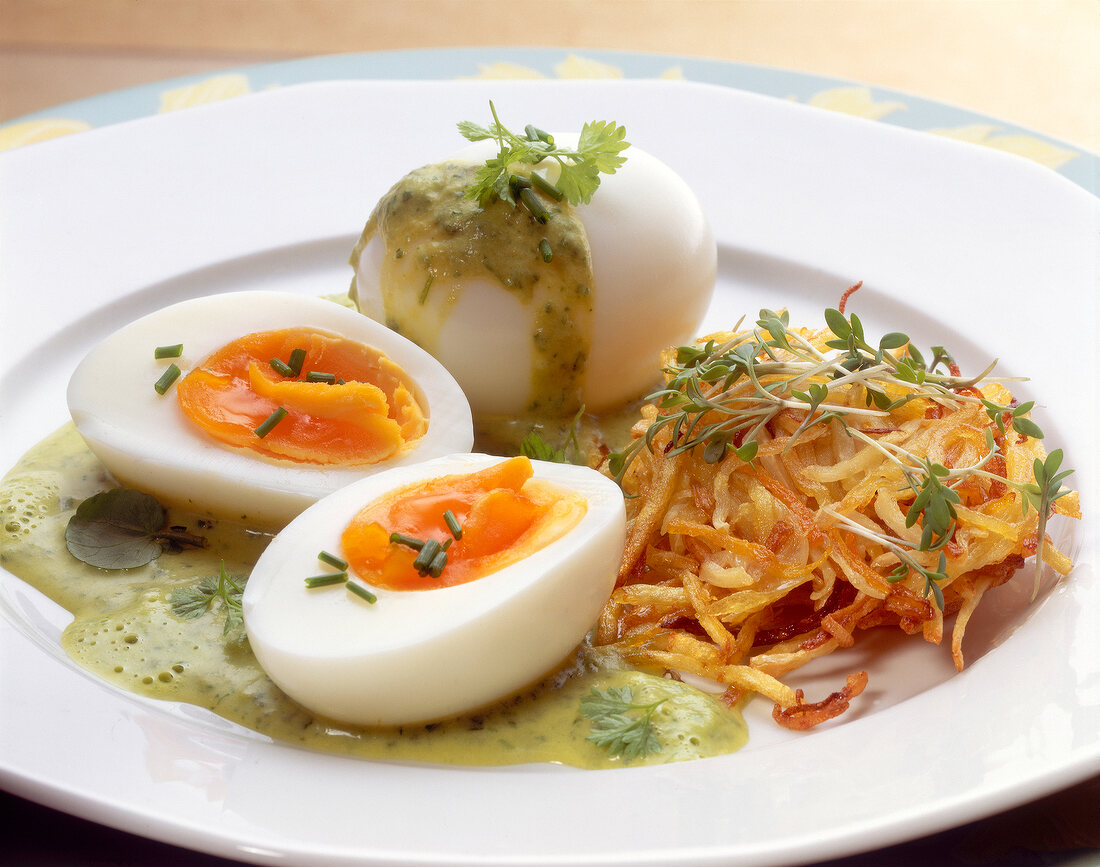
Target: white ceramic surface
[(957, 245)]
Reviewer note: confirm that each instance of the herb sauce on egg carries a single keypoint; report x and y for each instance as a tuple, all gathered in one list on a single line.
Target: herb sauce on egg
[(125, 631), (436, 239)]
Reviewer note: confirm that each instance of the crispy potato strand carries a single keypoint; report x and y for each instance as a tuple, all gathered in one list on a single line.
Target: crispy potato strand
[(743, 573)]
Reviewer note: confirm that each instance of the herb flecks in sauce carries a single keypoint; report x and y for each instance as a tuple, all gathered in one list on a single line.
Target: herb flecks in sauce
[(435, 235), (125, 631)]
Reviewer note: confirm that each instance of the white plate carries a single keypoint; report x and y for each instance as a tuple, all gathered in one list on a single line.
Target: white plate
[(984, 252)]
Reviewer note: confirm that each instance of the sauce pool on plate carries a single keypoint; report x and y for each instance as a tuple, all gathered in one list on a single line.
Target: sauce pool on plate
[(126, 631)]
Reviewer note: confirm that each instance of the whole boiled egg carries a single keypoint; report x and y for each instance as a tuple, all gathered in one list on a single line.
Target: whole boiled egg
[(537, 318), (278, 399), (430, 590)]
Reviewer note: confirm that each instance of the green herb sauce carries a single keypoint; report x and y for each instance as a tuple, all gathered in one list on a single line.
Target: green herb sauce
[(435, 235), (124, 630)]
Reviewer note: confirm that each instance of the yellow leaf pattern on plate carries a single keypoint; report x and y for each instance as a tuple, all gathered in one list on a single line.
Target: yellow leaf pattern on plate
[(581, 67), (27, 132), (855, 101), (1050, 155), (209, 90), (504, 70), (574, 66)]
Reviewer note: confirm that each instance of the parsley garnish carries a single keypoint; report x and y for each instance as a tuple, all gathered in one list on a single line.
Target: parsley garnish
[(598, 150), (620, 726), (195, 600)]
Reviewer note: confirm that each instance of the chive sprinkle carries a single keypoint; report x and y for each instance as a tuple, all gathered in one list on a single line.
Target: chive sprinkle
[(332, 560), (546, 251), (536, 134), (170, 375), (532, 203), (544, 186), (423, 562), (281, 367), (361, 591), (408, 541), (517, 183), (326, 580), (318, 376), (297, 359), (173, 351), (427, 286), (439, 562), (270, 422), (452, 524)]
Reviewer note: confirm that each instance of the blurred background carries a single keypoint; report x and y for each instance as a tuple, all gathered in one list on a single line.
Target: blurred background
[(1034, 63)]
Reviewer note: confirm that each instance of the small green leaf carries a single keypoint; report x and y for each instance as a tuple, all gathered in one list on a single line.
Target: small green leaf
[(620, 726), (195, 600), (838, 324), (116, 529), (1027, 427), (893, 340)]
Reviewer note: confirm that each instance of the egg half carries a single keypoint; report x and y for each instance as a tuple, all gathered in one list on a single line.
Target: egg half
[(653, 262), (146, 440), (427, 654)]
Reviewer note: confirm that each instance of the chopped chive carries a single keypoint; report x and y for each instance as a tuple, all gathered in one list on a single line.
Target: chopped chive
[(544, 186), (297, 359), (531, 202), (546, 251), (332, 560), (361, 591), (452, 524), (536, 134), (170, 375), (173, 351), (423, 561), (408, 541), (318, 376), (517, 183), (446, 544), (281, 367), (270, 422), (439, 562), (326, 580), (427, 286)]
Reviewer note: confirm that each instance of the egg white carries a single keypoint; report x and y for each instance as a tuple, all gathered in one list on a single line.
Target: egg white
[(146, 442), (426, 655), (654, 262)]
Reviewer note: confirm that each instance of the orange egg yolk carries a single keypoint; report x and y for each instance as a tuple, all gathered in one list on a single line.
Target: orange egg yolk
[(504, 514), (365, 415)]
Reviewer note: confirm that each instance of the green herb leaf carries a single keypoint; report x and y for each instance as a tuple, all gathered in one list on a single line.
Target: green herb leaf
[(195, 600), (116, 529), (620, 726)]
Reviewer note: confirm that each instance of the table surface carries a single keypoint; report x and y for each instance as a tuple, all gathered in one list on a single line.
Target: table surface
[(1031, 63)]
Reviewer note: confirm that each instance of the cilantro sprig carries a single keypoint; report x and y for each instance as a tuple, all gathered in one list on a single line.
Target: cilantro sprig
[(599, 150), (195, 600), (620, 726)]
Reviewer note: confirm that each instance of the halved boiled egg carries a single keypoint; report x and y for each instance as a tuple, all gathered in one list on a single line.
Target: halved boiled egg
[(480, 574), (574, 310), (280, 399)]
